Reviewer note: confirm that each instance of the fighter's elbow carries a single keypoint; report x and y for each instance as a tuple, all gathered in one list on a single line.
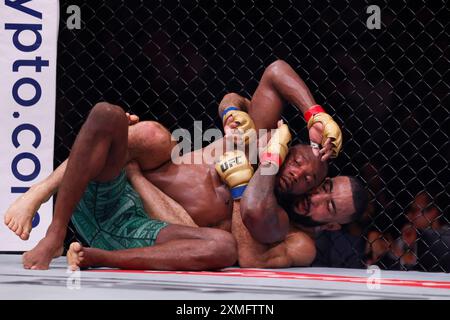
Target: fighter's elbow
[(251, 214), (277, 68), (262, 230), (252, 219), (271, 237)]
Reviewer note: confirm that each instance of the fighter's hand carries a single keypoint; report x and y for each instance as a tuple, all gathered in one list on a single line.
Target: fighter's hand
[(232, 134), (277, 148), (235, 170), (325, 151), (230, 124), (132, 119), (325, 136), (240, 124)]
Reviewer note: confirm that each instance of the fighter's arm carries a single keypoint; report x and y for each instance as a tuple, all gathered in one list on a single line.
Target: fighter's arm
[(281, 83), (266, 221), (156, 203), (233, 112), (295, 251), (261, 213)]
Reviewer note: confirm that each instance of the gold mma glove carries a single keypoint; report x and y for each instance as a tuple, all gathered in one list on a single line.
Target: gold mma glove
[(277, 148), (246, 127), (330, 128), (234, 168)]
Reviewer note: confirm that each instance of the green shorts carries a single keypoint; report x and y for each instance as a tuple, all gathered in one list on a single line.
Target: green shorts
[(111, 216)]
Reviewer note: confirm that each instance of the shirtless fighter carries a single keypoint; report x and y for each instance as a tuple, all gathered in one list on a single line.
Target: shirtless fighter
[(274, 224), (150, 145)]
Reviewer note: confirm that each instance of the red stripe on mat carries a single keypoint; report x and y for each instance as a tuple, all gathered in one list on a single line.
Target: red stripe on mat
[(256, 273)]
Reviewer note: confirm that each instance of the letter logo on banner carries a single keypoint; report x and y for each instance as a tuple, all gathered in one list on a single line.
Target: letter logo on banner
[(28, 38)]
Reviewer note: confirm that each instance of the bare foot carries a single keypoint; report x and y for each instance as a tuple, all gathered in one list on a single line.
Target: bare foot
[(20, 214), (39, 257), (76, 256)]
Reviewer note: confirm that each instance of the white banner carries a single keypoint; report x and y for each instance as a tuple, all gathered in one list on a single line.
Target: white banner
[(28, 50)]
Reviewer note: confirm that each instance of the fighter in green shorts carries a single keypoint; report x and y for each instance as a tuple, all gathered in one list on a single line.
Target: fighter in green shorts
[(192, 194), (110, 216)]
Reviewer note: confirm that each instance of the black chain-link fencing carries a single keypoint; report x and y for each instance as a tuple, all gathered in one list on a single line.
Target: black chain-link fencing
[(173, 61)]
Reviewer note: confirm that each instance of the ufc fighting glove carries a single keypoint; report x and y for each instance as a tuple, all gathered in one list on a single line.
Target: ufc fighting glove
[(246, 127), (330, 128), (277, 148), (235, 169)]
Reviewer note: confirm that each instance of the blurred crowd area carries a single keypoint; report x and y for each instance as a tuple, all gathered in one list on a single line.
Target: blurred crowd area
[(420, 241)]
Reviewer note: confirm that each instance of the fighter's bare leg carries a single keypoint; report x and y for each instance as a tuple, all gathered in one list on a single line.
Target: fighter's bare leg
[(98, 154), (149, 143), (177, 248)]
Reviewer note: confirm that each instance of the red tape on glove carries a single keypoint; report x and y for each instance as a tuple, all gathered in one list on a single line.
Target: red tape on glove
[(312, 111), (271, 157)]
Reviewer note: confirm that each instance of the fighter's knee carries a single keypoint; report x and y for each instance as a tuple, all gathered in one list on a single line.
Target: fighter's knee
[(105, 110), (105, 107), (106, 115)]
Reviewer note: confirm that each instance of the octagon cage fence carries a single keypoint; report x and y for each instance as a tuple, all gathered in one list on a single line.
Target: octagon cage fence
[(388, 89)]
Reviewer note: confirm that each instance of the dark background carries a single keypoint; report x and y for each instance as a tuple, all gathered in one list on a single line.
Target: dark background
[(173, 61)]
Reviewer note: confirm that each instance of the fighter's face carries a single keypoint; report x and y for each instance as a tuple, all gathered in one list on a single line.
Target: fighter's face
[(331, 202), (301, 171)]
